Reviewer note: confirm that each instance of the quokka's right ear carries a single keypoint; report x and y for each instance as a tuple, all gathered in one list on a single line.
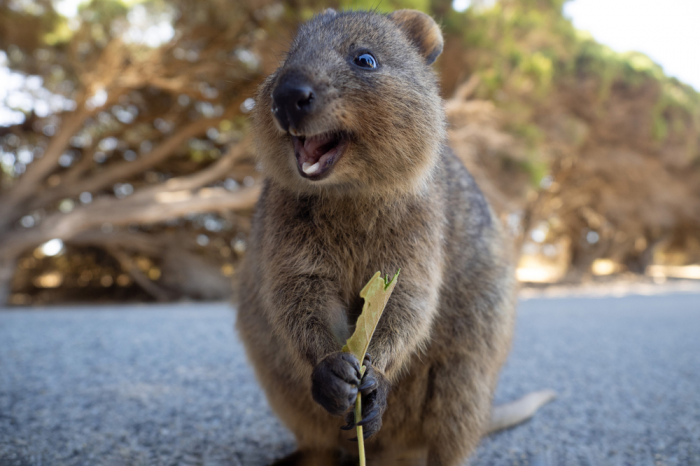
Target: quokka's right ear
[(422, 30)]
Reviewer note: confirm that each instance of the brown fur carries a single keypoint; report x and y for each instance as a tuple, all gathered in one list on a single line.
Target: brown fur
[(398, 198)]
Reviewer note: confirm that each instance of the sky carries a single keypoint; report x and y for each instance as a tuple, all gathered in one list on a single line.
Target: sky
[(668, 31)]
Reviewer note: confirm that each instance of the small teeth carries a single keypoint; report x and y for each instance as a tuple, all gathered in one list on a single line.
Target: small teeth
[(310, 169)]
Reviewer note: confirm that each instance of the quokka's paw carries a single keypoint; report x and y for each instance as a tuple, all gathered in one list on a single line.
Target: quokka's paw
[(373, 389), (334, 382)]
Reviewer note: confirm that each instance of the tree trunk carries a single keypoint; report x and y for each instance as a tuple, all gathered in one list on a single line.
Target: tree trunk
[(7, 270), (638, 264)]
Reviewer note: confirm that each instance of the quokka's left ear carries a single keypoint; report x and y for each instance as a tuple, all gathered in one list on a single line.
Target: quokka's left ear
[(422, 30)]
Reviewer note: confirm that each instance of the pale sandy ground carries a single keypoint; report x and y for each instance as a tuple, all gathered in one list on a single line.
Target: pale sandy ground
[(616, 288)]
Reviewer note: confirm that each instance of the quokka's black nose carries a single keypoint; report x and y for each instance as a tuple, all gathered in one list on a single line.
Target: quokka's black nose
[(292, 100)]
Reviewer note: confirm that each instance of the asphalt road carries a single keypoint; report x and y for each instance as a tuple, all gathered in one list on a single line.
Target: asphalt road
[(169, 385)]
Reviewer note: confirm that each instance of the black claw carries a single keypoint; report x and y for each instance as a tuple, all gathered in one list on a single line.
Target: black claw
[(340, 372), (353, 379), (369, 417), (358, 368), (349, 425), (367, 385)]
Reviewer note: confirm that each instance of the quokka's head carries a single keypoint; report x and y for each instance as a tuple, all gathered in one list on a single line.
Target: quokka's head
[(355, 105)]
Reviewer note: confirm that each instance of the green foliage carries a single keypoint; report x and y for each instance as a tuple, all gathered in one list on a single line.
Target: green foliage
[(675, 101), (512, 44), (527, 53), (536, 168), (386, 6)]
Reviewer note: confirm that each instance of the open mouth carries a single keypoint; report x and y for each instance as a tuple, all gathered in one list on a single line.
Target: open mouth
[(317, 154)]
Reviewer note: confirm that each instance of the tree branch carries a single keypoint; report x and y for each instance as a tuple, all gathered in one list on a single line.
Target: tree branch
[(158, 207), (124, 170), (37, 171), (215, 171), (141, 242), (128, 266)]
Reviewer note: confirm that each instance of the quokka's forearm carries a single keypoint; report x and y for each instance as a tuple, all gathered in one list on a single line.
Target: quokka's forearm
[(403, 331), (307, 314)]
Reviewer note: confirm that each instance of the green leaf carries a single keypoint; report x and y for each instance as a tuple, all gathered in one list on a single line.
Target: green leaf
[(376, 294)]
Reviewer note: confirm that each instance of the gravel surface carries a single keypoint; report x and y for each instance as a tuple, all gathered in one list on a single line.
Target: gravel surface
[(169, 385)]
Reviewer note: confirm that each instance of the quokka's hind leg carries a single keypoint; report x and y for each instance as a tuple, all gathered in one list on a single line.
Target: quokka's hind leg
[(310, 458), (457, 410), (397, 457)]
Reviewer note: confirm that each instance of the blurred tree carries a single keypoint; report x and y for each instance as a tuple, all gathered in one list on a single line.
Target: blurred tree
[(133, 115), (588, 150), (125, 138)]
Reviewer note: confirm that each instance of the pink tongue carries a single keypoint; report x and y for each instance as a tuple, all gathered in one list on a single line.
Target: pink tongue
[(311, 145)]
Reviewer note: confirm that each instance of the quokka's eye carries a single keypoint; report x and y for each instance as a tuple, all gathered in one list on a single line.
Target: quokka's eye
[(366, 60)]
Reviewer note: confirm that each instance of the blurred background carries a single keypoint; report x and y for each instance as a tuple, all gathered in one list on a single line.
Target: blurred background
[(126, 169)]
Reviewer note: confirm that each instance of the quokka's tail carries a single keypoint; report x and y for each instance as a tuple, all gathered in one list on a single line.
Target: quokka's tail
[(515, 412)]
